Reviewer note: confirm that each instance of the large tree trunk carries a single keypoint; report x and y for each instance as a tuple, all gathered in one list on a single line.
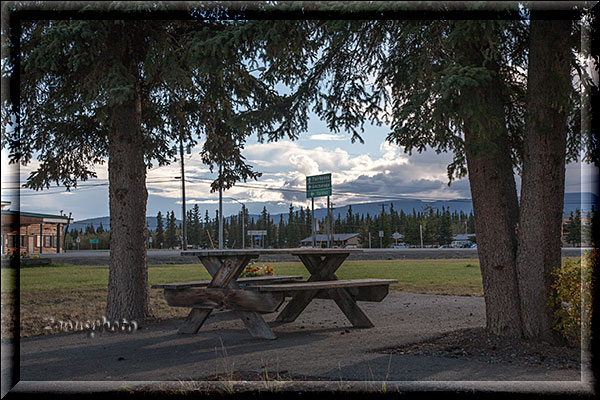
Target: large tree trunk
[(495, 207), (491, 177), (542, 191), (128, 295)]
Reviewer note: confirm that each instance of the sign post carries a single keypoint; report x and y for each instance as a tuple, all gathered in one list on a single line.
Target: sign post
[(259, 233), (317, 186)]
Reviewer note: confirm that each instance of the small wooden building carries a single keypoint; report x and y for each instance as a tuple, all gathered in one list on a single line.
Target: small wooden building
[(339, 240), (32, 232)]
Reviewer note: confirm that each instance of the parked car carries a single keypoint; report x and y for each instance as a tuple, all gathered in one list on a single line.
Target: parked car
[(399, 246), (460, 244)]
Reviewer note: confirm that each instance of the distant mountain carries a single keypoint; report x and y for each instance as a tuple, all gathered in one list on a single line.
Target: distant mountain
[(582, 201), (105, 222)]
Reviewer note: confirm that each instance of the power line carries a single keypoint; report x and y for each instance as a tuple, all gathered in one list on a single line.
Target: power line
[(382, 196)]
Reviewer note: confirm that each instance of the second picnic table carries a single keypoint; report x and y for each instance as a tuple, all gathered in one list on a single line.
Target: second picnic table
[(250, 297)]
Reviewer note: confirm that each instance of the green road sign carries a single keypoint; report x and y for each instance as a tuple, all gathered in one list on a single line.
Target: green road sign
[(93, 241), (318, 185)]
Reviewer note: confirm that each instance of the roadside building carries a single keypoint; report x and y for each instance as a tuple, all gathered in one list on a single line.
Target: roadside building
[(33, 233), (339, 240)]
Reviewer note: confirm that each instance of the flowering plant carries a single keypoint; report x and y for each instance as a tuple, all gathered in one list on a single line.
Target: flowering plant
[(253, 270)]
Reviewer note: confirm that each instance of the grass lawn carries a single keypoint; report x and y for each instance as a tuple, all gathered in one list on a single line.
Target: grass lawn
[(78, 293)]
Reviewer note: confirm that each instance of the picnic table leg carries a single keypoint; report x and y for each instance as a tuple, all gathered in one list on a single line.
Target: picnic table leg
[(296, 305), (224, 276), (324, 269), (194, 320), (320, 269), (351, 310)]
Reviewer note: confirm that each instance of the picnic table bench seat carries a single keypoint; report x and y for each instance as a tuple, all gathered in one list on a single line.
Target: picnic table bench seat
[(360, 289), (252, 280), (199, 293)]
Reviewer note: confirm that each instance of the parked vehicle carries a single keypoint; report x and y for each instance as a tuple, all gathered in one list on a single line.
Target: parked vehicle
[(399, 246), (460, 244)]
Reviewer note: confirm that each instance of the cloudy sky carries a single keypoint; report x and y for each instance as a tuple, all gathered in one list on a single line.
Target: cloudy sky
[(367, 172)]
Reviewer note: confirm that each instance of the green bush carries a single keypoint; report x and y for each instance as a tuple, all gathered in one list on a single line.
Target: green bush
[(572, 288)]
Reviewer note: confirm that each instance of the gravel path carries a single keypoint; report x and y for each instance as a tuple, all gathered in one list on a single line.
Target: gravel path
[(319, 346)]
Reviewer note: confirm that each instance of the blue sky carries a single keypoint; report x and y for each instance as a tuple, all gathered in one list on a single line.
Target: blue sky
[(360, 173)]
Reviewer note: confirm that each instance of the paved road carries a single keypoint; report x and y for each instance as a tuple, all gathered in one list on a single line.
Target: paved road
[(101, 257)]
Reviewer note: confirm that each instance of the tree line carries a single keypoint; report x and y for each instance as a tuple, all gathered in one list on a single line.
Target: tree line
[(438, 227)]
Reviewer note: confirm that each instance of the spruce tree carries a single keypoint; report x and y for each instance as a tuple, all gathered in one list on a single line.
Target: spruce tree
[(160, 231)]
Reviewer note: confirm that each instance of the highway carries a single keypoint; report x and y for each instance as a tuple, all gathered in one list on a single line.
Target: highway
[(101, 257)]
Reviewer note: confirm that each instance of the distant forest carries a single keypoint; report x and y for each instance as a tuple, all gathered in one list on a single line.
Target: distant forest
[(438, 227)]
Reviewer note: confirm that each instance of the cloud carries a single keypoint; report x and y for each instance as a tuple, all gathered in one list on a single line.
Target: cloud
[(355, 178), (327, 137)]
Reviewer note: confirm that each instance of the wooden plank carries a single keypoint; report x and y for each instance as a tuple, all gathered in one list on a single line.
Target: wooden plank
[(229, 270), (254, 322), (321, 267), (256, 325), (362, 293), (308, 285), (194, 321), (295, 307), (224, 299), (251, 280), (346, 303)]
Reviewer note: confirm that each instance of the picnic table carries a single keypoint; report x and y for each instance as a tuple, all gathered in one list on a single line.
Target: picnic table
[(253, 296)]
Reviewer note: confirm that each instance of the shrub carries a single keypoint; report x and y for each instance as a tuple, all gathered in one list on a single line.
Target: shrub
[(572, 300)]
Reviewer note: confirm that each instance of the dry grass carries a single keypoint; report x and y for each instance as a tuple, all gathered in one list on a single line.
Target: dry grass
[(68, 305)]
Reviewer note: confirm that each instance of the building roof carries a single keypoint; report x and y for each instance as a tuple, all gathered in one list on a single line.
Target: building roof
[(463, 236), (337, 237), (44, 217)]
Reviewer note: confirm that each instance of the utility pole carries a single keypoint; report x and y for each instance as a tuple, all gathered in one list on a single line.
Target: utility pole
[(331, 219), (314, 234), (243, 233), (421, 232), (183, 216), (220, 208)]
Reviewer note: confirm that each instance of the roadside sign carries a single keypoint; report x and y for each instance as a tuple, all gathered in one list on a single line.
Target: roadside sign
[(318, 186), (257, 233), (78, 239), (380, 233), (94, 241)]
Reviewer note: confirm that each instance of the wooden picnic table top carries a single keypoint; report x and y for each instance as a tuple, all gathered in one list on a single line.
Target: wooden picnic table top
[(258, 252)]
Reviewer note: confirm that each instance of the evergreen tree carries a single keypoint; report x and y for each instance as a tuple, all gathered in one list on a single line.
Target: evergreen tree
[(574, 228), (171, 239), (444, 236), (160, 231), (89, 230)]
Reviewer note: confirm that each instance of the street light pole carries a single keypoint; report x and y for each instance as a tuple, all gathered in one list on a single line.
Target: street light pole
[(183, 216), (220, 209)]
